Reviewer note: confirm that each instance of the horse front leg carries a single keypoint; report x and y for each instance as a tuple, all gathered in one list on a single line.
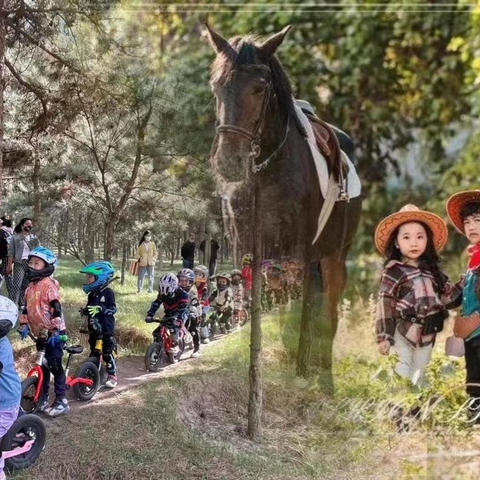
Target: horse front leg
[(334, 275), (315, 343), (335, 272), (230, 226)]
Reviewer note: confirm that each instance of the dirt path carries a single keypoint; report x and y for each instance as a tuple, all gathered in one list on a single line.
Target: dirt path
[(131, 373)]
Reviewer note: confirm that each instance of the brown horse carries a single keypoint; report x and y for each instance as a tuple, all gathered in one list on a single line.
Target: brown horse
[(260, 138)]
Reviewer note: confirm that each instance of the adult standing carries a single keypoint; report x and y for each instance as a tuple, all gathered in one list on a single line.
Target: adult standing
[(6, 231), (188, 252), (147, 257), (214, 248), (22, 242)]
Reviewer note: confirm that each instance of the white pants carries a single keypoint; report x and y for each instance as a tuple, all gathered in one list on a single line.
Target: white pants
[(412, 361)]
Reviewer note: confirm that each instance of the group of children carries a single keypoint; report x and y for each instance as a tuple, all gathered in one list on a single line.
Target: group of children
[(412, 305), (415, 294), (201, 305), (42, 318)]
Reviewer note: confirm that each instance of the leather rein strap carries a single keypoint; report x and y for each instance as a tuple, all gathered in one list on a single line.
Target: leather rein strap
[(255, 136)]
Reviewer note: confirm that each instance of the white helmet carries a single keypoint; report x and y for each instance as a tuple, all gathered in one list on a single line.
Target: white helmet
[(8, 315), (168, 284)]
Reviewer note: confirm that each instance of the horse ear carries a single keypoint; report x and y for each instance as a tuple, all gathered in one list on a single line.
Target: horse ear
[(269, 47), (218, 43)]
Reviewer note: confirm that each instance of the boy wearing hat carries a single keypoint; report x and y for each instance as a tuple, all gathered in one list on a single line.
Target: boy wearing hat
[(463, 209)]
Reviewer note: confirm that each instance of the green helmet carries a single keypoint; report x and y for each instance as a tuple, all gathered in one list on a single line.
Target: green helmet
[(102, 271)]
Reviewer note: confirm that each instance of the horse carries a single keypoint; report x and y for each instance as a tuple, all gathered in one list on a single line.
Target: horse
[(260, 138)]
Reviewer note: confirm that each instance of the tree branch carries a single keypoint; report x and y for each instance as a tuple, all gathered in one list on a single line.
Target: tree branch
[(42, 47)]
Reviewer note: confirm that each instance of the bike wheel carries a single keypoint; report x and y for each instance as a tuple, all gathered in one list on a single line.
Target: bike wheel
[(27, 427), (29, 389), (153, 357), (181, 348), (85, 392), (171, 357)]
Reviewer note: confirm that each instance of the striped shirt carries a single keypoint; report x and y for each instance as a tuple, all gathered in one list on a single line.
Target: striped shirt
[(406, 292)]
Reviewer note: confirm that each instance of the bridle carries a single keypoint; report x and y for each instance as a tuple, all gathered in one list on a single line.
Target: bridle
[(255, 136)]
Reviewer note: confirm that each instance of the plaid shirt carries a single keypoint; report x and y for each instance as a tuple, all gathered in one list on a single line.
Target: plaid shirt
[(405, 292)]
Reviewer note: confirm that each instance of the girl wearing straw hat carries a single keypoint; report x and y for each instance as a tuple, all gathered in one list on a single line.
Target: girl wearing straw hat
[(414, 294), (463, 209)]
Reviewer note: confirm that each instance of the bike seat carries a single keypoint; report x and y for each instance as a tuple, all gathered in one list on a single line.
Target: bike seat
[(74, 349)]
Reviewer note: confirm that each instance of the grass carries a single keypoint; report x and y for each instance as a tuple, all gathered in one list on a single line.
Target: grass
[(191, 424)]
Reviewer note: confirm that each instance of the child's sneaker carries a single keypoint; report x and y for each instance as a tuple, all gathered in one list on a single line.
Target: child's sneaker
[(44, 405), (196, 353), (111, 381), (59, 407)]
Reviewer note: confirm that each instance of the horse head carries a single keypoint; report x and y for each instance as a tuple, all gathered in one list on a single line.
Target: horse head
[(244, 89)]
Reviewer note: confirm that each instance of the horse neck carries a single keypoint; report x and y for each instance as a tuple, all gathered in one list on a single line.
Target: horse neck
[(273, 134)]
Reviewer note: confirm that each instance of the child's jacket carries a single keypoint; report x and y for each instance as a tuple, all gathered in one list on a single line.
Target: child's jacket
[(194, 305), (222, 299), (471, 287), (407, 293), (247, 275), (237, 291), (10, 386), (174, 306), (105, 299), (38, 310)]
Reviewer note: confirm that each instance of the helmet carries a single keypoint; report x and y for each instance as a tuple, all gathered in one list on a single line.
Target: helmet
[(45, 254), (188, 274), (227, 277), (224, 275), (247, 259), (235, 272), (48, 257), (201, 271), (234, 275), (102, 271), (8, 315), (168, 284)]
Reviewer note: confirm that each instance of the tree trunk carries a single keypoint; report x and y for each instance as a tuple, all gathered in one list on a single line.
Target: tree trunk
[(124, 262), (109, 238), (222, 250), (80, 229), (59, 229), (255, 400), (90, 241), (37, 200), (177, 254), (66, 231)]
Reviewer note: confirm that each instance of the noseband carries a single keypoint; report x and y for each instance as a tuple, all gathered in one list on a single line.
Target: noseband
[(255, 136)]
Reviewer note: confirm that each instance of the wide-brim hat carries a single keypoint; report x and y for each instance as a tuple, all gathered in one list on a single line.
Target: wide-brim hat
[(456, 203), (411, 213)]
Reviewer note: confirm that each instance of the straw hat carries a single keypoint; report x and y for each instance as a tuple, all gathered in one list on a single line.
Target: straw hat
[(456, 203), (411, 213)]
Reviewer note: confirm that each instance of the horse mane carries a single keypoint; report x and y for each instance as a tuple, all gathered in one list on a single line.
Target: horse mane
[(248, 53)]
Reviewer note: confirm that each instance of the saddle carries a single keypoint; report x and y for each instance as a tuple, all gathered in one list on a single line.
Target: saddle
[(327, 141)]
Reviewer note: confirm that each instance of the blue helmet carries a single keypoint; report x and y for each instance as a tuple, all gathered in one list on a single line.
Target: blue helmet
[(102, 271), (48, 257), (45, 254)]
